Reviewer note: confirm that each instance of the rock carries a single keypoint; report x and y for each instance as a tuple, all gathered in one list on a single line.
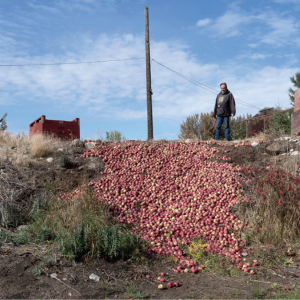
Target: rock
[(50, 159), (90, 145), (80, 168), (94, 277), (287, 138), (188, 140), (291, 150), (60, 150), (254, 144), (295, 153), (277, 148), (76, 143), (285, 154), (22, 227), (53, 275), (244, 254), (65, 278)]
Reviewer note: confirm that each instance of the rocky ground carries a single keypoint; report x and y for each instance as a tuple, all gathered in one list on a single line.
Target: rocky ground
[(21, 277)]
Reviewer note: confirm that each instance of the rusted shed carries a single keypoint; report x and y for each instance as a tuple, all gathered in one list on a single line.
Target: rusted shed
[(260, 122)]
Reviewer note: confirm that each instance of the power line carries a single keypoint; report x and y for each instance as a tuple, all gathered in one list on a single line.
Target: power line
[(170, 87), (72, 63), (206, 87)]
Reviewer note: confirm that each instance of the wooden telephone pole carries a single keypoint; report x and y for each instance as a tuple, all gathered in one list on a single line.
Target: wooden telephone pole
[(148, 77)]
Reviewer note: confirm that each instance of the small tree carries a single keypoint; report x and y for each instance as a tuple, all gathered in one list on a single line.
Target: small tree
[(206, 127), (281, 120), (3, 122), (114, 136), (238, 130), (190, 129), (296, 81)]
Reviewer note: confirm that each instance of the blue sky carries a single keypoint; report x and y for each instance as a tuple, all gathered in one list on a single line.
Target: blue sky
[(252, 45)]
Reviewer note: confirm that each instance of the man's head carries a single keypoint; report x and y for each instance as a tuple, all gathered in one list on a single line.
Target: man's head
[(223, 87)]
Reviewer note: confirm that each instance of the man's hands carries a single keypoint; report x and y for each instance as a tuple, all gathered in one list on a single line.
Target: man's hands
[(1, 120), (233, 115)]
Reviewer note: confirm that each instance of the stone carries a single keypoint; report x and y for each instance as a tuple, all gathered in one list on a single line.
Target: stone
[(188, 140), (65, 278), (244, 253), (277, 148), (94, 277), (76, 143), (60, 150), (53, 275), (291, 150), (254, 144), (80, 168), (295, 153), (50, 159), (90, 145)]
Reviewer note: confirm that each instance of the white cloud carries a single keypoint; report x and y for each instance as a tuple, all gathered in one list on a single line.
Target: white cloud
[(269, 28), (59, 6), (286, 1), (119, 92), (259, 56), (203, 22)]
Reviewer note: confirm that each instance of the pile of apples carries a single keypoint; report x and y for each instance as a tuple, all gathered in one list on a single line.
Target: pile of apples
[(172, 193)]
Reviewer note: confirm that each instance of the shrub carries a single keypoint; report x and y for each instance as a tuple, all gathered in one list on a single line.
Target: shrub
[(206, 127), (63, 161), (281, 121), (238, 130), (83, 226), (190, 129), (114, 136), (272, 206), (41, 145)]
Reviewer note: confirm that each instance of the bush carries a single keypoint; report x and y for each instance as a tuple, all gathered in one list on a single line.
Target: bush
[(190, 129), (281, 121), (238, 130), (63, 161), (40, 145), (272, 206), (83, 226), (114, 136), (206, 127)]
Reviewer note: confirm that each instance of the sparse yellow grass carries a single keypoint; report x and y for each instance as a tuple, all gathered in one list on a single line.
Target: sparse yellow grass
[(19, 149)]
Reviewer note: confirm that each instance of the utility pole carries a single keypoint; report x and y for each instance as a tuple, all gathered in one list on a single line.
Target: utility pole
[(148, 77)]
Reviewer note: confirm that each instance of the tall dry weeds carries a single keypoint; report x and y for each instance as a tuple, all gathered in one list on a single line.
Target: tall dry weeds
[(20, 149)]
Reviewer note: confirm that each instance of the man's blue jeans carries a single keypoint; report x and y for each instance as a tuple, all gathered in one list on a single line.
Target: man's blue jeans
[(220, 121)]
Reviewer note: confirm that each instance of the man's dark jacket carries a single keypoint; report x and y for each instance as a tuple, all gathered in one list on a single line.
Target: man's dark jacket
[(225, 104)]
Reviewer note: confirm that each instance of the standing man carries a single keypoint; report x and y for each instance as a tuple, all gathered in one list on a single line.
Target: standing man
[(224, 108)]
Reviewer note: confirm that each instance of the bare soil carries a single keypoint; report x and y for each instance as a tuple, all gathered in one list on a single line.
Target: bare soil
[(17, 263)]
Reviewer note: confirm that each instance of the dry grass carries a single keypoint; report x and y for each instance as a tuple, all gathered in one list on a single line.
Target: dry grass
[(19, 149), (268, 135), (64, 216)]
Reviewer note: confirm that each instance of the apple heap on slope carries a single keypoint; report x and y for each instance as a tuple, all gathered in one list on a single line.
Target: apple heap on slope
[(172, 193)]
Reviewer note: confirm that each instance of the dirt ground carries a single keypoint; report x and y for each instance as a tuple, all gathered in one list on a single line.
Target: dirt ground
[(124, 279)]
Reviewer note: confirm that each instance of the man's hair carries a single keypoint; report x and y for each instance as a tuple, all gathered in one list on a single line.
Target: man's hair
[(224, 83)]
